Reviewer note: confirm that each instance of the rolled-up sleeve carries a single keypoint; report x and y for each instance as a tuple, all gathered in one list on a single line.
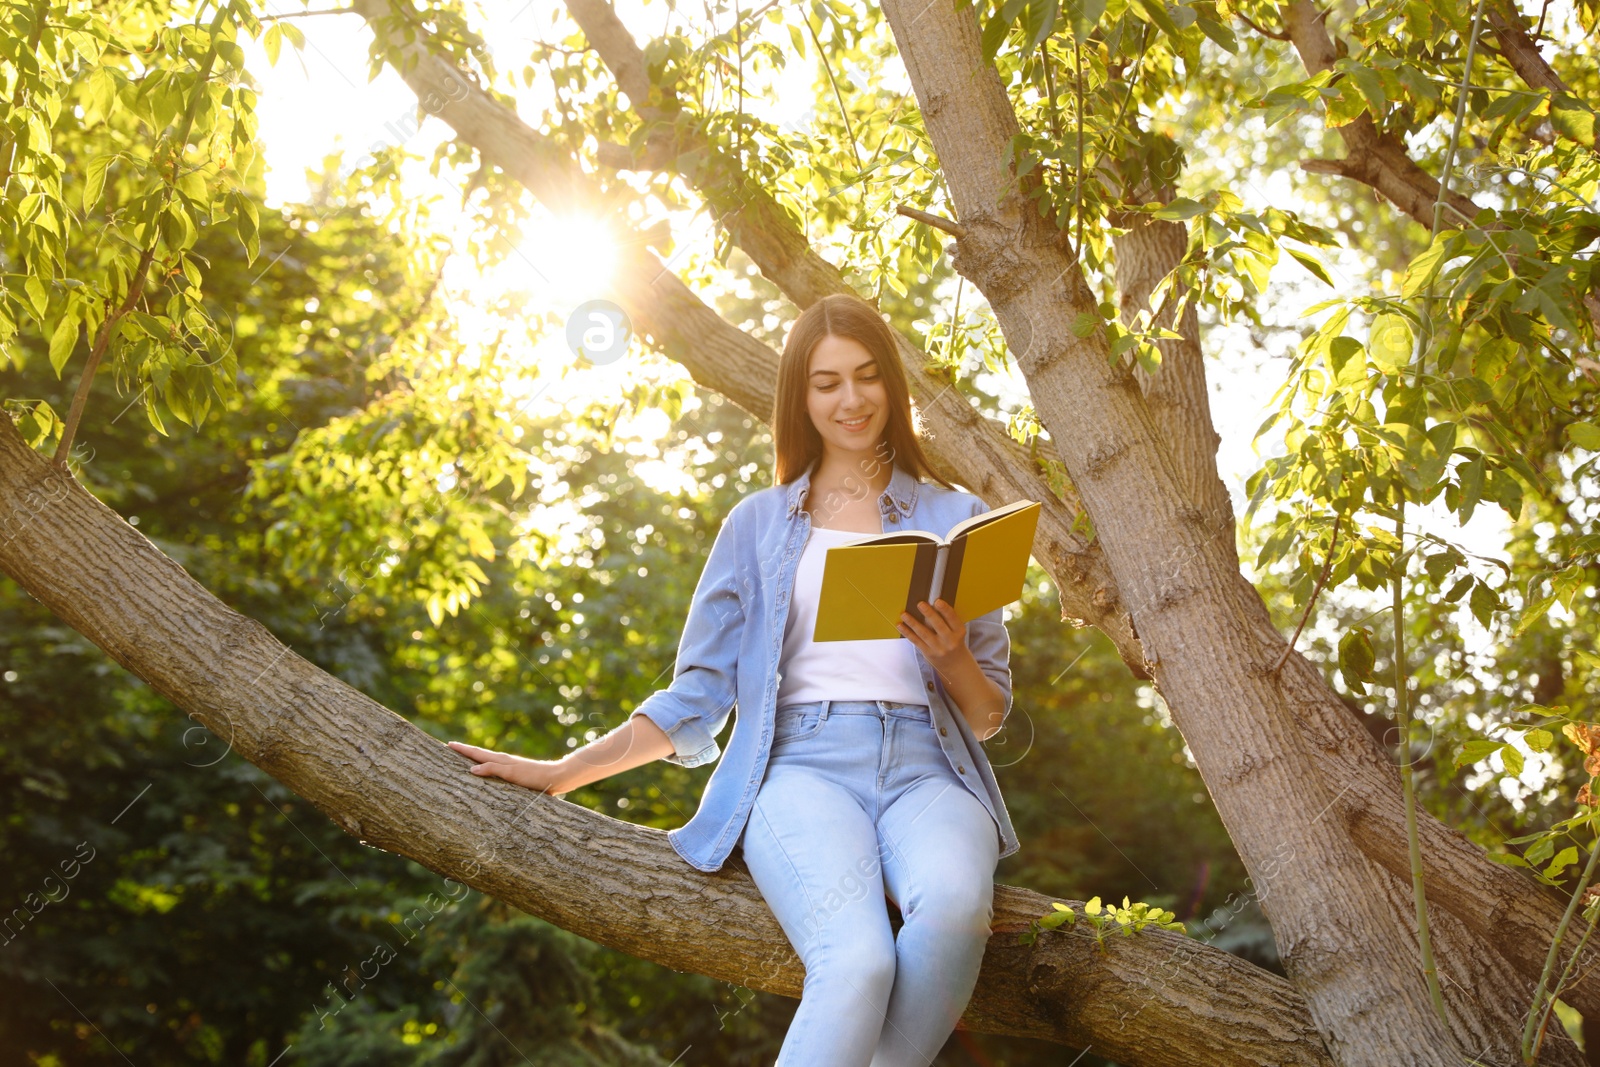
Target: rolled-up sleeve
[(695, 707)]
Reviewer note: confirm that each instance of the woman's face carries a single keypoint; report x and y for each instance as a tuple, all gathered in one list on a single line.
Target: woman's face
[(845, 396)]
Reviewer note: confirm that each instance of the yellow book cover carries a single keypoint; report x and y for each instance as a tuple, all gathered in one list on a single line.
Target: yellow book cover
[(980, 566)]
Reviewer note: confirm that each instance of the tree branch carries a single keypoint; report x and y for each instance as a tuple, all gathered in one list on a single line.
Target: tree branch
[(1379, 160), (1146, 253), (1520, 51), (938, 222), (1155, 998), (978, 451), (1204, 629)]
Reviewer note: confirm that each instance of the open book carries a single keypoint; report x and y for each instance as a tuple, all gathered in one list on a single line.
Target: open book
[(980, 566)]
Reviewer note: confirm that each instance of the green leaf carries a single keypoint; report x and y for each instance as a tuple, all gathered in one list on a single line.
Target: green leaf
[(1470, 476), (1564, 859), (63, 340), (1419, 87), (1219, 32), (1356, 657), (272, 43), (36, 294), (1389, 343), (1179, 209), (1424, 268), (1586, 435), (1370, 85), (1512, 759), (1573, 120), (1542, 850), (1310, 263), (1156, 12), (1345, 105), (1084, 15), (177, 229), (1533, 613), (231, 53), (1484, 603), (1440, 564), (1348, 361), (1539, 740), (94, 180), (1477, 750), (99, 95), (1508, 859)]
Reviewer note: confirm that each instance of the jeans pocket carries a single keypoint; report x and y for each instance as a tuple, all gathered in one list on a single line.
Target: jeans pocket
[(796, 723)]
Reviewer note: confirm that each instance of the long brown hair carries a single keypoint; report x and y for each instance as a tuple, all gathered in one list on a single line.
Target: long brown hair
[(798, 444)]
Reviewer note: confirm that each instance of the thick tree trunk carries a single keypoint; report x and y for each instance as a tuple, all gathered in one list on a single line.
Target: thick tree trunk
[(1154, 998), (1176, 394), (1487, 897), (1205, 631), (1474, 971), (1476, 975)]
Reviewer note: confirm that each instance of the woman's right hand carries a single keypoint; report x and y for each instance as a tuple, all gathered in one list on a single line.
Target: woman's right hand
[(542, 776)]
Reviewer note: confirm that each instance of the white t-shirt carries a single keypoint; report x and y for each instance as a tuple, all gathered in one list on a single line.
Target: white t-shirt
[(839, 670)]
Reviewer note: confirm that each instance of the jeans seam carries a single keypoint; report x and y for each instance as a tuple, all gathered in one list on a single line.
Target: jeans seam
[(806, 890)]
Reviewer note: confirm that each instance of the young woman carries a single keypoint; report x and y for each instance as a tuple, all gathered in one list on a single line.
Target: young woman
[(854, 773)]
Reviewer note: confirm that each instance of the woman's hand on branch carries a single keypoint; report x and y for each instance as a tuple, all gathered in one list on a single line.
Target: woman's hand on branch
[(542, 776)]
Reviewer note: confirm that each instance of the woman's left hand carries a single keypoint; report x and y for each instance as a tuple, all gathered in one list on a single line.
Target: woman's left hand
[(941, 635)]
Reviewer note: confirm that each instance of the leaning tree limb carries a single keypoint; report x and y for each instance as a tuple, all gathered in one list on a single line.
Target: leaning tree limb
[(1474, 968), (964, 445), (1147, 250), (1521, 51), (1155, 998), (1375, 159), (773, 240), (1202, 626)]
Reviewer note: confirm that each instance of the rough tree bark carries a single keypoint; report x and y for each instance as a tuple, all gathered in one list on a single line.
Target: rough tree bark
[(1155, 998), (1146, 253), (1205, 631), (1472, 964)]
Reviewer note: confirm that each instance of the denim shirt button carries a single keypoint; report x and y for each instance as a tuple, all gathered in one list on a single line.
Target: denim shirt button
[(894, 518), (930, 687), (963, 770), (942, 732)]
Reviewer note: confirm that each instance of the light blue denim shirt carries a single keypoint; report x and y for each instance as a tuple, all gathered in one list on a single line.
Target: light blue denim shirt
[(730, 652)]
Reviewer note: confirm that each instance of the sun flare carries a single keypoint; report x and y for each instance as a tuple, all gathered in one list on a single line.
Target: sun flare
[(570, 259)]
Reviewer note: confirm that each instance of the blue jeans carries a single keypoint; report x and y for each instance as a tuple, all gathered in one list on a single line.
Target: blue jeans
[(860, 803)]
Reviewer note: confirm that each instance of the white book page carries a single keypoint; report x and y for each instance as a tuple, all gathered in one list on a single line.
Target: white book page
[(938, 574)]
